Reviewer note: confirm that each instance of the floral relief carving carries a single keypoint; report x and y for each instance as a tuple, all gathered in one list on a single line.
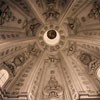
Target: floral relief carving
[(34, 25), (72, 48), (70, 84), (95, 11), (51, 8), (85, 58), (31, 26), (74, 24), (11, 67), (34, 50), (93, 66), (53, 90), (17, 61), (6, 14), (91, 62)]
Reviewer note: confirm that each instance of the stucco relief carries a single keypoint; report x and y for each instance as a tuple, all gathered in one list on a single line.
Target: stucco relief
[(50, 49), (53, 90)]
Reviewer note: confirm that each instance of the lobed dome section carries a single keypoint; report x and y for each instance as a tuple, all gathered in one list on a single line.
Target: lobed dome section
[(49, 49)]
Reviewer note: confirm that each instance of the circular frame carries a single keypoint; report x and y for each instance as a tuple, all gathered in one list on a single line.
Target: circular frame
[(53, 38)]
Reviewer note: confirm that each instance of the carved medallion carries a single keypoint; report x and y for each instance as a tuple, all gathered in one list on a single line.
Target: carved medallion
[(85, 58)]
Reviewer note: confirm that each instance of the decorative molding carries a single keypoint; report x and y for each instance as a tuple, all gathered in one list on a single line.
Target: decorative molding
[(74, 24), (70, 48), (95, 11), (32, 26), (6, 14), (56, 47), (50, 9), (53, 90), (23, 6), (91, 62), (34, 50), (17, 61)]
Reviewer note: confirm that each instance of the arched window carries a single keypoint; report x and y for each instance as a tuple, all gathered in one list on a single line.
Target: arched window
[(3, 77), (98, 73)]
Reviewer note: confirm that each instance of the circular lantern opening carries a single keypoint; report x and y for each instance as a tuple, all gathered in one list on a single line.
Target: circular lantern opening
[(51, 37), (51, 34)]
